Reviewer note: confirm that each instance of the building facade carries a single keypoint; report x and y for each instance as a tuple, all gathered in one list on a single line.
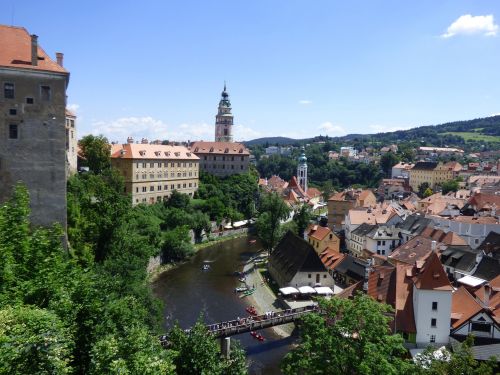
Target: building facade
[(71, 143), (433, 173), (153, 172), (224, 119), (221, 158), (32, 124), (340, 203)]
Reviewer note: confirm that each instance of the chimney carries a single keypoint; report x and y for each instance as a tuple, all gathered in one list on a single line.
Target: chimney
[(34, 50), (367, 274), (433, 245), (487, 292), (59, 58), (130, 140), (144, 141)]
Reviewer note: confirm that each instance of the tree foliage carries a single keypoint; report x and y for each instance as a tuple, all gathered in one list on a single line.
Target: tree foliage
[(196, 352), (96, 153), (273, 210), (352, 337)]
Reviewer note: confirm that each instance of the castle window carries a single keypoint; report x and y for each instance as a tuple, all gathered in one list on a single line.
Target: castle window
[(12, 111), (13, 131), (45, 93), (433, 322), (29, 101), (8, 90)]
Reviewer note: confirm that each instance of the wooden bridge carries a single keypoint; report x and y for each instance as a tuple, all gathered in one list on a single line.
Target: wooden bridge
[(224, 330)]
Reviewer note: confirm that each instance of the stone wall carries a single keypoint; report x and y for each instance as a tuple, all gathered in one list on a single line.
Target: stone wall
[(38, 156)]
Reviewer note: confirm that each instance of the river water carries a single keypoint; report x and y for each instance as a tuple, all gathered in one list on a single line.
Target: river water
[(188, 291)]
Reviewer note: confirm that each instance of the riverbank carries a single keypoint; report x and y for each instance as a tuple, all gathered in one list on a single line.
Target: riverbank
[(155, 269), (264, 298)]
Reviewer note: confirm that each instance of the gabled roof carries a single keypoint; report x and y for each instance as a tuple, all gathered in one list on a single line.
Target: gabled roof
[(425, 165), (292, 255), (414, 224), (447, 238), (151, 152), (463, 307), (318, 232), (331, 258), (488, 268), (431, 276), (352, 267), (416, 249), (313, 192), (364, 229), (222, 148), (462, 258), (484, 201), (15, 51), (491, 244), (351, 290)]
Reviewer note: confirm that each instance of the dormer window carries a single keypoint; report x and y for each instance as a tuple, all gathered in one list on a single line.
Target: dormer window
[(177, 154), (211, 149), (157, 153), (142, 152), (188, 154), (226, 150)]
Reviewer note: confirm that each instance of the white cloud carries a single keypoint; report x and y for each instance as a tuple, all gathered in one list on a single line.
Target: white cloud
[(73, 107), (331, 129), (305, 102), (470, 25), (494, 114), (386, 129), (148, 127), (244, 133)]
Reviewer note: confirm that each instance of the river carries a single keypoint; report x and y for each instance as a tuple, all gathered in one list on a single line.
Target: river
[(188, 291)]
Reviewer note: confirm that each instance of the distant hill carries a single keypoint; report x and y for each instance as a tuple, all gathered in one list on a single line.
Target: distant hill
[(459, 133), (272, 141)]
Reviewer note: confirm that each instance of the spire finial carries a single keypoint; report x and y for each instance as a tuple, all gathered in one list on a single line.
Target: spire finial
[(224, 85)]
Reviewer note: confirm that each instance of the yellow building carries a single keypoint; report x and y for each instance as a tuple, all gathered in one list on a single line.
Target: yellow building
[(433, 173), (321, 238), (152, 172)]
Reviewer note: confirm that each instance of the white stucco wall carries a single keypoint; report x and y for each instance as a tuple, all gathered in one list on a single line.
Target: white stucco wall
[(302, 278), (423, 312), (466, 328)]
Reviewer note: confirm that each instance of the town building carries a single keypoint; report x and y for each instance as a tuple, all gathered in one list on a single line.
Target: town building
[(32, 124), (401, 169), (71, 143), (393, 188), (221, 158), (153, 172), (224, 119), (434, 152), (322, 238), (340, 203), (278, 150), (348, 152), (433, 173), (295, 263)]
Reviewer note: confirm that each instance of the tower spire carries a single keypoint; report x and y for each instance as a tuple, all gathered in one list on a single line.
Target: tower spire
[(224, 119)]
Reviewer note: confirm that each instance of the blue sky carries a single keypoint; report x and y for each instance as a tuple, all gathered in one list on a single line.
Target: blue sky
[(301, 68)]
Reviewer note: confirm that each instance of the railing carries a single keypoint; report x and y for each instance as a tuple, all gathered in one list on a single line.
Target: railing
[(253, 323)]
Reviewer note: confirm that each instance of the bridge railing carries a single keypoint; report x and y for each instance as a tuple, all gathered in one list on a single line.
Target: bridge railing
[(251, 323)]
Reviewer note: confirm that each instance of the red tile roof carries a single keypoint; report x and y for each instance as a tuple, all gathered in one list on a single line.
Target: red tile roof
[(450, 238), (318, 232), (149, 151), (15, 51), (463, 307), (431, 276), (416, 249), (223, 148)]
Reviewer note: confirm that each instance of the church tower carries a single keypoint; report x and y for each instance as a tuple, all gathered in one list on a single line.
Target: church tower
[(224, 119), (302, 170)]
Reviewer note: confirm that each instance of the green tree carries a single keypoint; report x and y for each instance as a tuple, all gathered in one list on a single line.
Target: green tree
[(177, 200), (387, 161), (176, 244), (350, 337), (197, 352), (447, 186), (428, 192), (422, 188), (96, 152), (33, 341), (460, 361), (302, 218), (199, 223), (273, 210), (327, 190)]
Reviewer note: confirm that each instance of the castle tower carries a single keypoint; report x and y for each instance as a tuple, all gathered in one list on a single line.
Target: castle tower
[(302, 170), (224, 119)]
